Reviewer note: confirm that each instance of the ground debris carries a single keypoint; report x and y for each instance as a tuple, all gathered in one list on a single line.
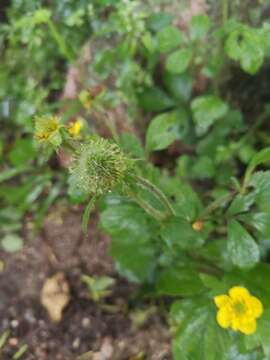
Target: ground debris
[(55, 295)]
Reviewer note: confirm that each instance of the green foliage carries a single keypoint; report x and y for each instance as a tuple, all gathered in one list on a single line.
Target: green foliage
[(99, 287), (189, 222)]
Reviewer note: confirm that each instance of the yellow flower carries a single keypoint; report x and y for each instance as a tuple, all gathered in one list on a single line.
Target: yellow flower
[(75, 128), (46, 127), (238, 310)]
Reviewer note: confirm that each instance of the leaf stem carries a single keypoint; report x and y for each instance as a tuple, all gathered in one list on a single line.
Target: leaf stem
[(156, 214), (156, 192)]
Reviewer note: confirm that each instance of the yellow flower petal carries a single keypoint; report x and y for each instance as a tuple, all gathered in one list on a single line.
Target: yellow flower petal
[(247, 327), (237, 292), (224, 317), (255, 305), (221, 300)]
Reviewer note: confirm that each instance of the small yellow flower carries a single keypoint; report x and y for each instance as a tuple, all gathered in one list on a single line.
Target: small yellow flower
[(75, 128), (238, 310), (46, 127)]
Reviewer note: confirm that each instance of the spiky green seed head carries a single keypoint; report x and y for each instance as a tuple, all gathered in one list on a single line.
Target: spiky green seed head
[(99, 166)]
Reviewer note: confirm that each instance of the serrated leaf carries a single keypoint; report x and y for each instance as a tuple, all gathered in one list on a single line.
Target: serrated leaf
[(206, 110), (169, 38), (242, 248), (178, 61)]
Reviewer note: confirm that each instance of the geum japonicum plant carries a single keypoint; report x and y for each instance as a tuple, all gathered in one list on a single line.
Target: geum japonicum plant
[(206, 250), (168, 241)]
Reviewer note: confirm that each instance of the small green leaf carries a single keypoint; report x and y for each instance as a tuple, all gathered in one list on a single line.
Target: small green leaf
[(178, 61), (242, 248), (199, 26), (12, 243), (179, 86), (162, 131), (22, 152), (154, 99), (261, 157), (206, 110), (245, 45), (169, 38)]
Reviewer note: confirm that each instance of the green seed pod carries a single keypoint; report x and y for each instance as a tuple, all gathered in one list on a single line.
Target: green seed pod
[(99, 166)]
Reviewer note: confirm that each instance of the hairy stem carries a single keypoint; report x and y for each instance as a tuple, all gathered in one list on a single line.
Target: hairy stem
[(156, 214), (156, 192)]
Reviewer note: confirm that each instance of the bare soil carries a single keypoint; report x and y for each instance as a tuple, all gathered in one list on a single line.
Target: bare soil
[(108, 332)]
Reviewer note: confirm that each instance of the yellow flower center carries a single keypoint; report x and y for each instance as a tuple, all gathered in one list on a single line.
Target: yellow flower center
[(239, 308)]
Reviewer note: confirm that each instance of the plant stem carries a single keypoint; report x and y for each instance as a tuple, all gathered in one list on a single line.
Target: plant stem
[(156, 192), (156, 214), (66, 52), (216, 204), (225, 11)]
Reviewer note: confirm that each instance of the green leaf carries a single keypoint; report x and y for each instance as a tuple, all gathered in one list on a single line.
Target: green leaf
[(178, 61), (241, 203), (206, 110), (179, 86), (263, 331), (125, 217), (162, 131), (179, 282), (132, 247), (169, 38), (242, 248), (98, 286), (154, 99), (12, 242), (134, 256), (198, 332), (22, 152), (179, 234), (199, 26), (245, 46), (261, 157), (159, 20)]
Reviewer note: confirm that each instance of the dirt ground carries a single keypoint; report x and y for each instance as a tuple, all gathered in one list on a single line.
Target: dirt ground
[(107, 331)]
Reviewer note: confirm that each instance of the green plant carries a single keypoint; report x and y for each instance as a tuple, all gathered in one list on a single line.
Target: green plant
[(193, 224)]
